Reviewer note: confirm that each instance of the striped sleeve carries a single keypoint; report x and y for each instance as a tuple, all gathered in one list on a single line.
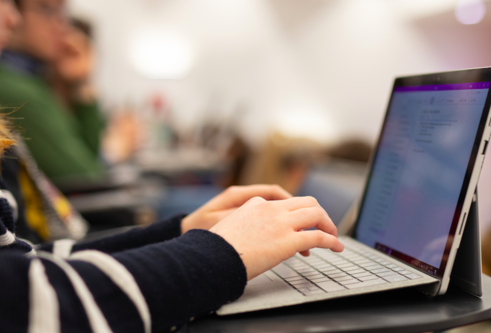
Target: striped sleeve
[(155, 288), (8, 240), (134, 282)]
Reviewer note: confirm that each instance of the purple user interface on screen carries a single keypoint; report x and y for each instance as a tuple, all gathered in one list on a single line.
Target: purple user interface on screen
[(420, 167)]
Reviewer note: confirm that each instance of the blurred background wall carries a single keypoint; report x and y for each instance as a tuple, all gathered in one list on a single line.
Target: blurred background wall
[(320, 69)]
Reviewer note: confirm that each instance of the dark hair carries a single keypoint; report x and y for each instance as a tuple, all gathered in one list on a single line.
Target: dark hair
[(83, 26)]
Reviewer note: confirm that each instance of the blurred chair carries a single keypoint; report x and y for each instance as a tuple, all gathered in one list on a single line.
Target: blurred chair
[(283, 160), (335, 175)]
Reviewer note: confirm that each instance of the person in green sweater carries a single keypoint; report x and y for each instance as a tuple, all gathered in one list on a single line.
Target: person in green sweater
[(63, 136)]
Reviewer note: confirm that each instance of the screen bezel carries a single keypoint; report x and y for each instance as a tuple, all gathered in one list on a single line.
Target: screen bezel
[(465, 76)]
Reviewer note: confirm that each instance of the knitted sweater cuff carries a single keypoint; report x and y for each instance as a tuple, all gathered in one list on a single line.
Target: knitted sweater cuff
[(135, 238), (186, 277)]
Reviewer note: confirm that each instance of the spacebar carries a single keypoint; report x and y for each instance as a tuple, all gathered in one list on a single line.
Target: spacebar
[(366, 284)]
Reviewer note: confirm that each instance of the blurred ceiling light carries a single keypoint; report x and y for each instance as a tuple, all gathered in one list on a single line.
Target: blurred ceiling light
[(470, 11), (308, 123), (162, 56)]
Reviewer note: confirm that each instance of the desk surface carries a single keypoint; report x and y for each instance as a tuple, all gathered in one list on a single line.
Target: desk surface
[(393, 311)]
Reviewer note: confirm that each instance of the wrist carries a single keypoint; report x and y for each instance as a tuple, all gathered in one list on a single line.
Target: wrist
[(186, 225)]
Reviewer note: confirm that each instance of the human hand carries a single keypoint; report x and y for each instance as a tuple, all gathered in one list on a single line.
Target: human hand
[(122, 137), (227, 202), (267, 233)]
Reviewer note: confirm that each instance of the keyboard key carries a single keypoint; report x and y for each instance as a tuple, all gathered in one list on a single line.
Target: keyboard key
[(413, 276), (343, 278), (312, 288), (295, 282), (314, 271), (364, 273), (404, 272), (361, 260), (284, 271), (377, 271), (347, 282), (331, 286), (324, 279), (368, 278), (355, 271), (385, 274), (301, 286), (303, 290), (371, 266), (300, 283), (350, 255), (310, 277), (339, 261), (314, 292), (296, 278), (395, 278), (366, 284), (337, 275), (320, 269), (326, 265)]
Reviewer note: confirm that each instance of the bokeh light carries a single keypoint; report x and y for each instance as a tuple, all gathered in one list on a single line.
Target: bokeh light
[(470, 11), (162, 56)]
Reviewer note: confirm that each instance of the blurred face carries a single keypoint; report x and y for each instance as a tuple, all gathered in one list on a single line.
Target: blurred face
[(9, 18), (43, 28), (76, 61)]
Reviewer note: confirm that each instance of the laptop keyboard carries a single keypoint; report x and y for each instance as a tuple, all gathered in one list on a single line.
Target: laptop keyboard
[(325, 271)]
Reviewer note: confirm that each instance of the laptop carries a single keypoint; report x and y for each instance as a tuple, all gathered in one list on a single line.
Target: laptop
[(420, 186)]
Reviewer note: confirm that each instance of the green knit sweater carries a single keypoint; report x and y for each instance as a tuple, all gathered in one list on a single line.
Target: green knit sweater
[(64, 143)]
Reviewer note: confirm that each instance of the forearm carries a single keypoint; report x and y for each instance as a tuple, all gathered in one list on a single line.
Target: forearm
[(138, 237)]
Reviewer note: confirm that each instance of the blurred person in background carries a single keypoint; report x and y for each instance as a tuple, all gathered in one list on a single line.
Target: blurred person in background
[(62, 129), (73, 67), (72, 71)]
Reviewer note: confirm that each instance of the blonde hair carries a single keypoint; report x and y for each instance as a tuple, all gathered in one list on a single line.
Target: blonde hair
[(6, 137)]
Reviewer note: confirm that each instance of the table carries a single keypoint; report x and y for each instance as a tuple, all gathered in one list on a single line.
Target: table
[(398, 311)]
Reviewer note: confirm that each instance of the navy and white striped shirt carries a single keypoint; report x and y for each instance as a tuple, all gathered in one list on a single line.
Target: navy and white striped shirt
[(145, 280)]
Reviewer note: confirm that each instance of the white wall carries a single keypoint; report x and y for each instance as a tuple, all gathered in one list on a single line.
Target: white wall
[(321, 68), (242, 58)]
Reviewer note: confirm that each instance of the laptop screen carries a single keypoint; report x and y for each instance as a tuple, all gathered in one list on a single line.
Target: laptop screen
[(413, 191)]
